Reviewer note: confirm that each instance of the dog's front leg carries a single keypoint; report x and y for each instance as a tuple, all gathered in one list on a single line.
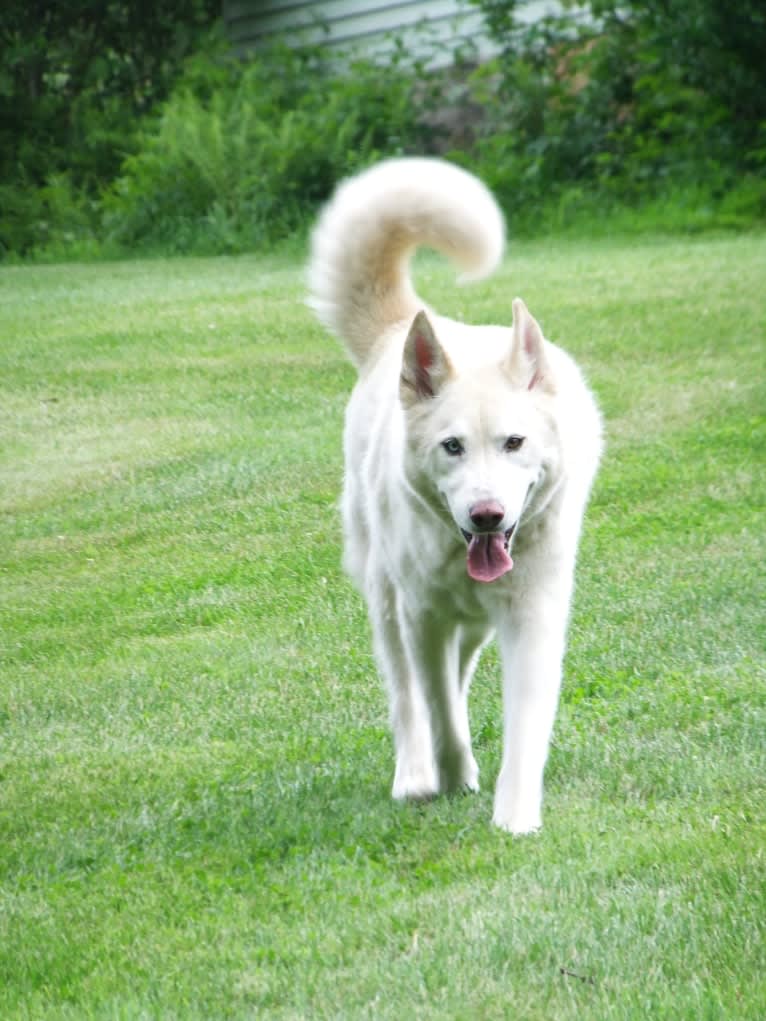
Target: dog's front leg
[(532, 646), (415, 776), (434, 650)]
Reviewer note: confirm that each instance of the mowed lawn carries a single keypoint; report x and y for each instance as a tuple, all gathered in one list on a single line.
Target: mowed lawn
[(195, 763)]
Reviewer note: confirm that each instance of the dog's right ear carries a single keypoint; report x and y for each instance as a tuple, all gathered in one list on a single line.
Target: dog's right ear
[(425, 365)]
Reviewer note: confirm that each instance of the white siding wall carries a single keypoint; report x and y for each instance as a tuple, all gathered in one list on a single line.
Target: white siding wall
[(369, 26)]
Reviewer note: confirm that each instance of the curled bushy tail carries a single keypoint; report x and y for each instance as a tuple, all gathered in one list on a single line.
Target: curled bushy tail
[(359, 277)]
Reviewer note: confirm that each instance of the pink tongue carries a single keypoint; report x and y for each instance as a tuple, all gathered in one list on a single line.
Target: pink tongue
[(488, 558)]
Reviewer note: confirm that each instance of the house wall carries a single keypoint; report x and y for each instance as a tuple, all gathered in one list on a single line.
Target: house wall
[(369, 26)]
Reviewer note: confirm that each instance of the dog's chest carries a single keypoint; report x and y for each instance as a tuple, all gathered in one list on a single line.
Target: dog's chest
[(464, 599)]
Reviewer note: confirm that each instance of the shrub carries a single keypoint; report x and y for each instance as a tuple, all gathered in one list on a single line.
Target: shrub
[(634, 99), (111, 133), (75, 80), (243, 153), (52, 215)]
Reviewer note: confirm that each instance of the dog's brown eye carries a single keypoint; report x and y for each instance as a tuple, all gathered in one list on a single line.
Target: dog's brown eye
[(453, 446), (513, 442)]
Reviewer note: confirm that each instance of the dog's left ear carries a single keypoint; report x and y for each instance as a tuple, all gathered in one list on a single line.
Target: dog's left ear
[(425, 365), (526, 362)]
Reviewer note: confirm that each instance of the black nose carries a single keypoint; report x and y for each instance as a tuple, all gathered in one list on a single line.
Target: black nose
[(487, 515)]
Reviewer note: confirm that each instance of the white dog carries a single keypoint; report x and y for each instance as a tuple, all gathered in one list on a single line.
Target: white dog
[(470, 452)]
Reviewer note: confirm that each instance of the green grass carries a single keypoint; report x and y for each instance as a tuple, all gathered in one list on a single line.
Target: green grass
[(194, 757)]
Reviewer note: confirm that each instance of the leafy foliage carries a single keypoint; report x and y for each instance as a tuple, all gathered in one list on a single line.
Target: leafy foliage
[(75, 79), (131, 124), (75, 74), (631, 97), (242, 154)]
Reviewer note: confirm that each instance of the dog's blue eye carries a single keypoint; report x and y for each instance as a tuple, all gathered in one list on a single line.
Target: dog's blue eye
[(513, 442), (453, 447)]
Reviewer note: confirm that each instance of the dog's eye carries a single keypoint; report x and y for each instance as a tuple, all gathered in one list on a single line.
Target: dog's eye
[(453, 447), (513, 442)]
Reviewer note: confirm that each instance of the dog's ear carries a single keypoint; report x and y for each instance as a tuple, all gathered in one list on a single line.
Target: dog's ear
[(526, 362), (425, 365)]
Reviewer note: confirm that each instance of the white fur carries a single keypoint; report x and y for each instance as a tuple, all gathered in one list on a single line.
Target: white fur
[(424, 381)]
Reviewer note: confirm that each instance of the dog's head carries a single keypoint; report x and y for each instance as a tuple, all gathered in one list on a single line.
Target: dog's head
[(483, 438)]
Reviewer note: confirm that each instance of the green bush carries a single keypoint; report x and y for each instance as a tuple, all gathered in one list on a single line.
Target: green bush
[(242, 154), (635, 100), (76, 79), (54, 215), (118, 132)]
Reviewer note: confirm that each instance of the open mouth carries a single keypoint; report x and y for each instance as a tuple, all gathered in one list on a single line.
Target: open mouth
[(488, 558), (468, 536)]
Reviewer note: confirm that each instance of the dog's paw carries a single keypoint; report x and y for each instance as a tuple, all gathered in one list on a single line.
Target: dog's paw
[(516, 829), (515, 821), (415, 783), (459, 775), (517, 805)]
